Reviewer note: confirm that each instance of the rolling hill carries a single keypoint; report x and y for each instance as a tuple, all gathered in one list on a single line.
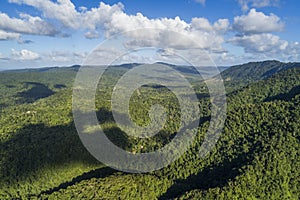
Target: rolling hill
[(256, 157), (241, 75)]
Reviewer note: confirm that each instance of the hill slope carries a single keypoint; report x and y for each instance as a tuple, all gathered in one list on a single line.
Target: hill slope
[(265, 115), (241, 75), (257, 155)]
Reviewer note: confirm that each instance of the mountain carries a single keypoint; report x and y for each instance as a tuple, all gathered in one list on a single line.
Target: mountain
[(256, 157), (283, 85), (256, 70), (265, 116), (241, 75)]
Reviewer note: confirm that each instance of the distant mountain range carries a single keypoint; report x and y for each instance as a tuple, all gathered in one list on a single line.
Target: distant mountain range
[(247, 71)]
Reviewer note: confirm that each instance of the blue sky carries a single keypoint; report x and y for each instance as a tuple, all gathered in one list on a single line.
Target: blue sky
[(40, 33)]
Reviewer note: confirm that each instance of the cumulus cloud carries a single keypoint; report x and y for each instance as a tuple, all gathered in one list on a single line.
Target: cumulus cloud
[(203, 24), (113, 19), (255, 37), (172, 33), (63, 10), (292, 53), (164, 32), (24, 55), (26, 25), (253, 29), (260, 43), (8, 35), (257, 22), (245, 4)]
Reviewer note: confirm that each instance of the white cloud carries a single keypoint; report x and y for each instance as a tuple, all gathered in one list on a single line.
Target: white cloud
[(64, 57), (201, 1), (203, 24), (207, 36), (254, 36), (24, 55), (113, 19), (80, 55), (253, 29), (3, 57), (26, 25), (260, 43), (9, 36), (245, 4), (58, 56), (92, 35), (267, 46), (21, 41), (257, 22), (63, 10)]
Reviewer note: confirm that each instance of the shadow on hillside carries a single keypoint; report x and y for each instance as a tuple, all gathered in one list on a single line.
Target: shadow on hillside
[(211, 177), (10, 86), (60, 86), (104, 115), (37, 91), (3, 105), (35, 147), (98, 173), (278, 67), (285, 96), (121, 139)]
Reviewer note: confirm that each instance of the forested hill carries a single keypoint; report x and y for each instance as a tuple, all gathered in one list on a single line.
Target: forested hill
[(256, 157), (256, 70), (284, 85), (241, 75), (265, 116)]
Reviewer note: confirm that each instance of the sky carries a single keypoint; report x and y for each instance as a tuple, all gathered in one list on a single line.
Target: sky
[(46, 33)]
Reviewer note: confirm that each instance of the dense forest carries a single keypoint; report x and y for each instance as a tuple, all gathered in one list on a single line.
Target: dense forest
[(256, 157)]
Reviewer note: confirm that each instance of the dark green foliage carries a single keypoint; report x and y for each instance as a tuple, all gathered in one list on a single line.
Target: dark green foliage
[(256, 157), (35, 91), (240, 75), (257, 70)]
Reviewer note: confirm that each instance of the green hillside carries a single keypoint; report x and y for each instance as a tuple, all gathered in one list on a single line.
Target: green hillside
[(256, 157), (266, 116), (241, 75)]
